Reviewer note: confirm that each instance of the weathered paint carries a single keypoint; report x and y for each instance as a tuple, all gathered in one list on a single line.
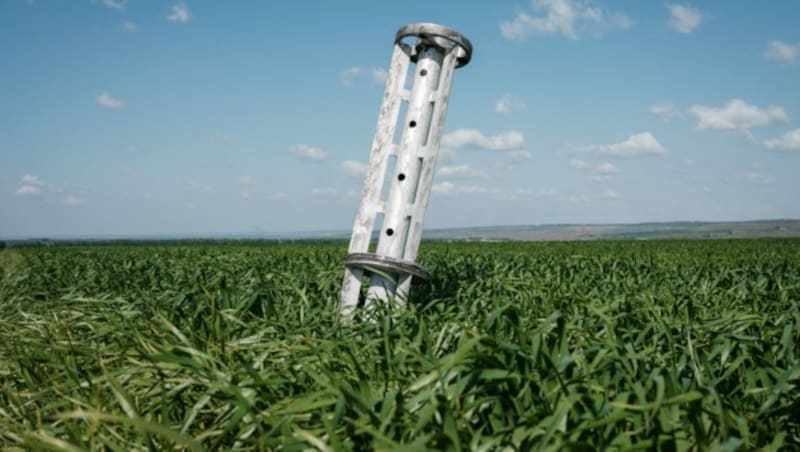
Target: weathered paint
[(436, 52)]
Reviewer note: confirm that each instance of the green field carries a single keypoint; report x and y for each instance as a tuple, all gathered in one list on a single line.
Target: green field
[(670, 345)]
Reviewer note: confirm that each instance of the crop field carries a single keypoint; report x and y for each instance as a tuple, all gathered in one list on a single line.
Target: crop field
[(668, 345)]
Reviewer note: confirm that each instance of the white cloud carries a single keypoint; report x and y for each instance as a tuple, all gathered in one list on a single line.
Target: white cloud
[(34, 187), (179, 13), (474, 190), (638, 144), (475, 139), (129, 27), (446, 155), (508, 103), (30, 185), (106, 101), (459, 171), (447, 188), (576, 199), (736, 115), (622, 21), (514, 158), (29, 190), (353, 168), (307, 152), (199, 187), (72, 200), (684, 19), (578, 164), (605, 168), (610, 194), (568, 18), (759, 177), (148, 196), (28, 179), (782, 52), (324, 192), (514, 195), (559, 18), (603, 172), (453, 170), (245, 195), (348, 76), (509, 143), (246, 181), (665, 111), (790, 141), (378, 76), (444, 187), (119, 5)]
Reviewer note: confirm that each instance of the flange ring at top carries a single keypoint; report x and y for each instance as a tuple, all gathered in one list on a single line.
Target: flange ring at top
[(429, 32)]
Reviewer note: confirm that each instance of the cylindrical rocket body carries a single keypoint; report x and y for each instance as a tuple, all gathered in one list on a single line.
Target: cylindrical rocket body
[(436, 53)]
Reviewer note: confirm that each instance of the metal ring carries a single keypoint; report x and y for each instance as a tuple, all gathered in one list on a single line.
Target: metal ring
[(387, 264), (427, 32)]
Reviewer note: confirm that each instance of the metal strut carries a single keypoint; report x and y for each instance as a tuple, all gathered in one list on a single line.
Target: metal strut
[(436, 51)]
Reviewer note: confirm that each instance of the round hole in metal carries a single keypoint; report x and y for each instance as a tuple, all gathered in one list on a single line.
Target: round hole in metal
[(401, 177), (412, 124), (390, 231)]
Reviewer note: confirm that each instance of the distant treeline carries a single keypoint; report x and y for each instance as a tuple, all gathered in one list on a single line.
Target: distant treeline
[(36, 243)]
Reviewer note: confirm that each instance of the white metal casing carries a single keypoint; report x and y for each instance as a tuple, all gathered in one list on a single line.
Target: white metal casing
[(436, 53)]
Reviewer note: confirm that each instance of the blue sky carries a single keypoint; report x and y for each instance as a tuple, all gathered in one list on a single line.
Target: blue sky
[(134, 118)]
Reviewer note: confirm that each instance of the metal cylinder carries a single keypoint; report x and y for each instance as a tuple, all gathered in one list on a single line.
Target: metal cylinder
[(432, 53)]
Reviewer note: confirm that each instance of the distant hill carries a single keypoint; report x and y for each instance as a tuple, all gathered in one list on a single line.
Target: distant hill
[(551, 232), (640, 231)]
